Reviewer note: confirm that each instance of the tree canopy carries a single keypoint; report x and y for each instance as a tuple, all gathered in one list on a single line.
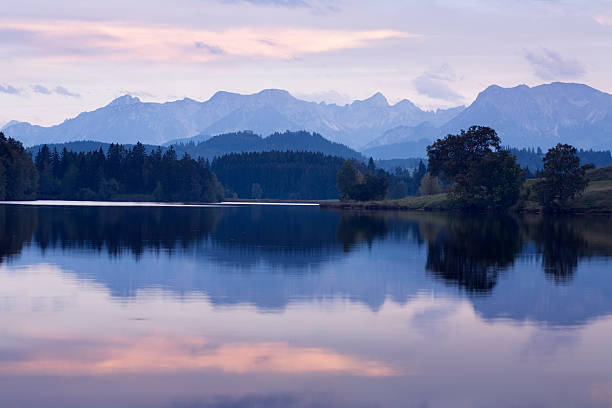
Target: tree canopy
[(562, 177), (354, 185), (18, 176), (482, 174), (125, 173)]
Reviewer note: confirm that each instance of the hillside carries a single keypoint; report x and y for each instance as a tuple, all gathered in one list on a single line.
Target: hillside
[(232, 143), (249, 142)]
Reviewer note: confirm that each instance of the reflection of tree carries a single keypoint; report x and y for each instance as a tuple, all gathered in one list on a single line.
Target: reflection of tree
[(113, 228), (354, 228), (16, 229), (290, 236), (471, 251), (562, 244)]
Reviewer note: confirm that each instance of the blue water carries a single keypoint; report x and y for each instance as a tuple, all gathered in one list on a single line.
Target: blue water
[(274, 306)]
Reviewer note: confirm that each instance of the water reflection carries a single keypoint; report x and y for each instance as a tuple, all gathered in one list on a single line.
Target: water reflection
[(471, 251), (282, 254), (297, 307)]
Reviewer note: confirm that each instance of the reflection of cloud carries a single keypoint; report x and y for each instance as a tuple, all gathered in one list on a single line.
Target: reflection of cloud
[(601, 394), (549, 65), (87, 40), (9, 89), (287, 400), (548, 343), (164, 355), (436, 84)]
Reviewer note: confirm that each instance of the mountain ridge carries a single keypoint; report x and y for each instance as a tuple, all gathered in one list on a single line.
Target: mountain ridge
[(127, 119), (523, 116)]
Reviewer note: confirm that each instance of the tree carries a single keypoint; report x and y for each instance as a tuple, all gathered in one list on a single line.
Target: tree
[(429, 185), (348, 176), (452, 156), (562, 178), (256, 191), (483, 175), (18, 175)]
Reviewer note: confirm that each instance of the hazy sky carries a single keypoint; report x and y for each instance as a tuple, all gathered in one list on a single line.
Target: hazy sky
[(58, 58)]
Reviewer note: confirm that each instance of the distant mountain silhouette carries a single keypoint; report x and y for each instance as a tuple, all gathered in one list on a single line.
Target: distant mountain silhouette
[(231, 143), (128, 120), (540, 116), (250, 142)]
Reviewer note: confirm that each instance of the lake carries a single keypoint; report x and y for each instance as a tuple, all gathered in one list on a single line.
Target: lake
[(292, 306)]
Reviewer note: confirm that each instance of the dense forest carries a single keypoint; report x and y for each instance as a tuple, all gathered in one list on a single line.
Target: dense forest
[(531, 159), (303, 175), (141, 172), (282, 175), (124, 173), (18, 176)]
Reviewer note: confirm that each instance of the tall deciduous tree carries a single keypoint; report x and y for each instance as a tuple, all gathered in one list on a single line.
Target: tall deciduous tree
[(483, 175), (562, 178)]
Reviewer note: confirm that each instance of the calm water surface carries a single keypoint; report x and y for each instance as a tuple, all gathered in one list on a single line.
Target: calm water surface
[(275, 307)]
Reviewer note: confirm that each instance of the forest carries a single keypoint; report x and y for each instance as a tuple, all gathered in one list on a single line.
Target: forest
[(292, 175), (531, 159), (124, 174), (140, 173)]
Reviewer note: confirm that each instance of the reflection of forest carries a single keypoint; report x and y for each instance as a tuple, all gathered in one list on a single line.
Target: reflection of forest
[(270, 256), (472, 250), (469, 251)]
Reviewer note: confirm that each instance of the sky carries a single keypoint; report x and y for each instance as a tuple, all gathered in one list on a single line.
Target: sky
[(59, 58)]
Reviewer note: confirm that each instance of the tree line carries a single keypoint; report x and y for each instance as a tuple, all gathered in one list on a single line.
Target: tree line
[(531, 159), (119, 174), (471, 166), (480, 174)]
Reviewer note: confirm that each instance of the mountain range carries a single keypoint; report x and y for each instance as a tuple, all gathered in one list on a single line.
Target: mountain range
[(523, 116), (128, 120), (541, 116)]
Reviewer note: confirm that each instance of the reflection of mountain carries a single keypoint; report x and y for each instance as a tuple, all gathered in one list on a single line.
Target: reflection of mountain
[(552, 271)]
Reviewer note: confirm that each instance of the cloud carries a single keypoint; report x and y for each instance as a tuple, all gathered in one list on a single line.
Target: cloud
[(604, 20), (276, 3), (60, 90), (41, 89), (9, 89), (137, 93), (316, 6), (88, 41), (325, 96), (549, 65), (436, 84), (209, 48)]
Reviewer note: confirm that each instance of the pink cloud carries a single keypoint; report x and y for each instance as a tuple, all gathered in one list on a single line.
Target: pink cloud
[(77, 40)]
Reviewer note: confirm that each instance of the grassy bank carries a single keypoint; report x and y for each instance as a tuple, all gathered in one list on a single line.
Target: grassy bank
[(597, 198), (438, 202)]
